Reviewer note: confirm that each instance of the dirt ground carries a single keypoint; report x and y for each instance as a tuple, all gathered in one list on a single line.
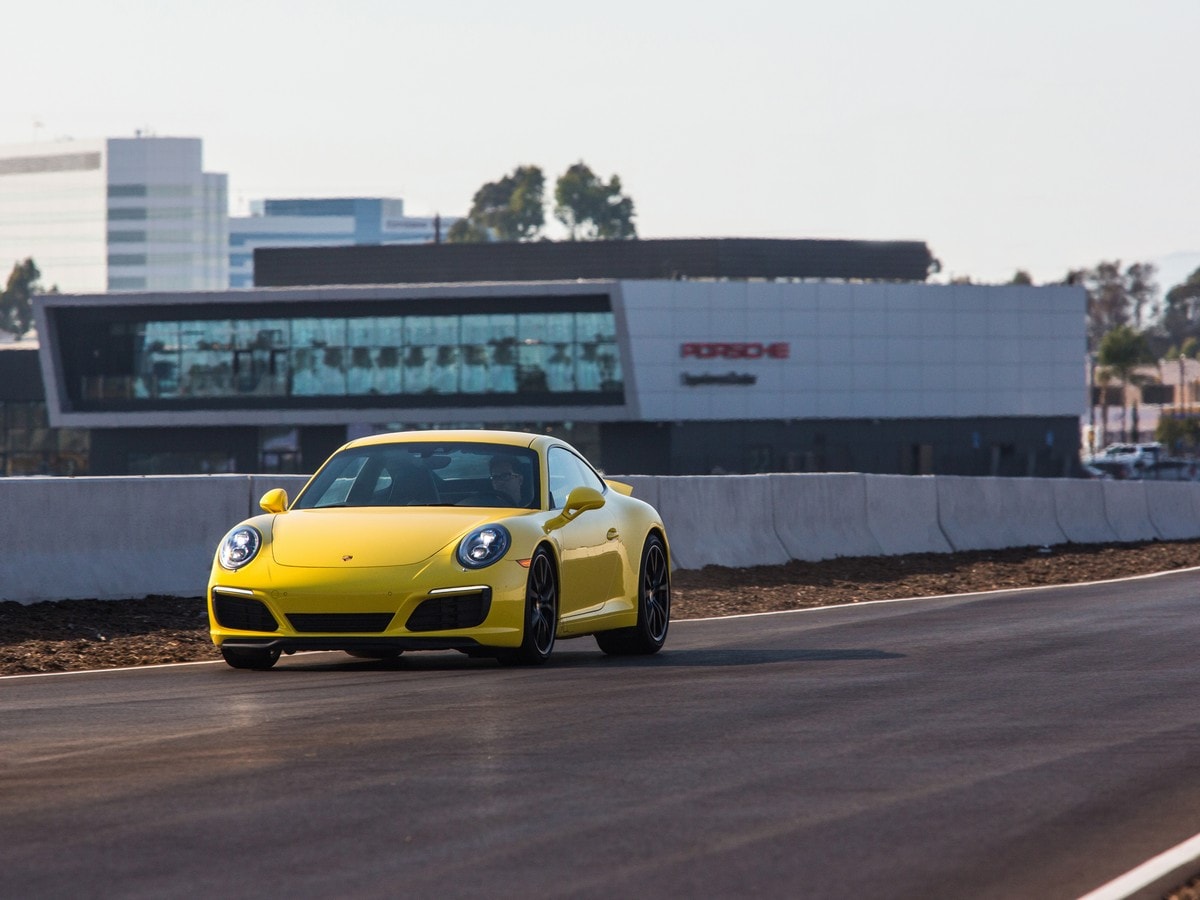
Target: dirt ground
[(98, 634)]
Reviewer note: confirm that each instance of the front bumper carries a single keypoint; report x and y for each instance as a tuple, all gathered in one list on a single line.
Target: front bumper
[(367, 610)]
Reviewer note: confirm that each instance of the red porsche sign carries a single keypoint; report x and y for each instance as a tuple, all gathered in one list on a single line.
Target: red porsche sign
[(751, 350)]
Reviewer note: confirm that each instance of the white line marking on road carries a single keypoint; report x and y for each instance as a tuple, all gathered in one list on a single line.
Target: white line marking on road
[(1012, 590), (1135, 879), (195, 662), (779, 612)]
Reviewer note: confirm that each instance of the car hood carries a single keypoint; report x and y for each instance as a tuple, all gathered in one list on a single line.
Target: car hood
[(364, 537)]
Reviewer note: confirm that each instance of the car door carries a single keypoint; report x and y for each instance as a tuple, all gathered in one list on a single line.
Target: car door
[(591, 543)]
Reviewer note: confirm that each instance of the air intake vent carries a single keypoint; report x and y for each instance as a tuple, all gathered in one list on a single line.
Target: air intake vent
[(341, 623), (445, 613), (243, 613)]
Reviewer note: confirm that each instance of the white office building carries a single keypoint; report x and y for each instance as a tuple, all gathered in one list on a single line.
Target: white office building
[(324, 222), (115, 214)]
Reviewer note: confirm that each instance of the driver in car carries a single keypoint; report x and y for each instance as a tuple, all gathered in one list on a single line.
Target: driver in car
[(506, 480)]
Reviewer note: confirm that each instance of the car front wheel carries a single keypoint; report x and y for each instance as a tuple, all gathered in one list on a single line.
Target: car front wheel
[(250, 657), (541, 613)]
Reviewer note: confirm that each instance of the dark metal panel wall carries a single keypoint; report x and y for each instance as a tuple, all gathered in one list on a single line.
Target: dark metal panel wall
[(20, 376), (1007, 447), (569, 260)]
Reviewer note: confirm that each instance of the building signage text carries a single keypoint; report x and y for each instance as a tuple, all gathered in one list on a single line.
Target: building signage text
[(749, 350), (732, 378)]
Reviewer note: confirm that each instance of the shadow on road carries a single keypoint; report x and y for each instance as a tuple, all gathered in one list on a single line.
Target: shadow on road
[(562, 659), (750, 656)]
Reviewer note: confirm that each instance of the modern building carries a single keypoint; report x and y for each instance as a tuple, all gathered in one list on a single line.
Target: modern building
[(115, 214), (28, 445), (667, 375), (329, 222)]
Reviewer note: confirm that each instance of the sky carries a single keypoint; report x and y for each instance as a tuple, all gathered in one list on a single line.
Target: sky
[(1041, 135)]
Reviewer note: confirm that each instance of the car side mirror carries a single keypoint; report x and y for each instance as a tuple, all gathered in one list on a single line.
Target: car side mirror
[(274, 501), (580, 500)]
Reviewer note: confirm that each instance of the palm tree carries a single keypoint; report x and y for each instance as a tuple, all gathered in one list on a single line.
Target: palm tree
[(1122, 350), (1103, 378), (1188, 350), (1180, 355), (1173, 354)]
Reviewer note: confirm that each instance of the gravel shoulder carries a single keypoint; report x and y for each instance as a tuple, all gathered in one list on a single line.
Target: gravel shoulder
[(71, 635)]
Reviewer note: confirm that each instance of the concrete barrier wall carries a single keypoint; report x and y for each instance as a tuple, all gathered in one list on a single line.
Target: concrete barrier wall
[(986, 513), (822, 516), (1127, 512), (1172, 507), (720, 520), (113, 538), (1081, 513), (645, 487), (902, 514)]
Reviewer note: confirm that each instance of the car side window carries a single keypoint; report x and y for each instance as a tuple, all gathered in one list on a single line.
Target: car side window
[(566, 471)]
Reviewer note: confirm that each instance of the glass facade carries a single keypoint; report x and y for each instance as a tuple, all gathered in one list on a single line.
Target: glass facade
[(508, 358), (29, 446)]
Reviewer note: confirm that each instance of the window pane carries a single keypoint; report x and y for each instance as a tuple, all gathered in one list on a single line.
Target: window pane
[(205, 359)]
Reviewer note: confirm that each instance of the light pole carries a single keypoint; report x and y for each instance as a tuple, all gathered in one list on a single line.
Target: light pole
[(1092, 404)]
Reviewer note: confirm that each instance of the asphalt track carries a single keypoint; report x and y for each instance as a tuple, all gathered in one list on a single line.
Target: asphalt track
[(1027, 744)]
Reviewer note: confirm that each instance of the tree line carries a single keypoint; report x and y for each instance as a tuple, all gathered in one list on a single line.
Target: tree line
[(1129, 326), (514, 208)]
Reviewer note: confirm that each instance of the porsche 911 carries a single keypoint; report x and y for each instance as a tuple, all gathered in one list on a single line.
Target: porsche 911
[(491, 543)]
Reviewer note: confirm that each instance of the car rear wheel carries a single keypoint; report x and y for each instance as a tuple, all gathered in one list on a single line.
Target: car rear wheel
[(250, 657), (541, 613), (654, 607)]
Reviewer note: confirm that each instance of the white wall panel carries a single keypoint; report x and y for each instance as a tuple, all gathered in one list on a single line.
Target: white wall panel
[(859, 350)]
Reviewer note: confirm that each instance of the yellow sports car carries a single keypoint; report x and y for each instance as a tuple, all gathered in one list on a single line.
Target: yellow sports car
[(493, 543)]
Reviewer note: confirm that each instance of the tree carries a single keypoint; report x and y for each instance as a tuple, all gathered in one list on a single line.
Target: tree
[(511, 209), (1021, 277), (464, 231), (1179, 434), (1116, 297), (591, 209), (16, 302), (1180, 354), (1122, 350), (1181, 315)]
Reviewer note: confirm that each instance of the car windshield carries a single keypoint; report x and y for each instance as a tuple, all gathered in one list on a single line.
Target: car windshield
[(427, 474)]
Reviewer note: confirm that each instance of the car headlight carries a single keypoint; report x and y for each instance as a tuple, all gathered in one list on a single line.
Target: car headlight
[(239, 547), (484, 546)]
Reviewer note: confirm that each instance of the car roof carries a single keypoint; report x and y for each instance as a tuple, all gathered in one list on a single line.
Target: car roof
[(459, 435)]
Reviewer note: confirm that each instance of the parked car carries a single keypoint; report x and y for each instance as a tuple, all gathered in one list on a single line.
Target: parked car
[(1143, 454), (1139, 461)]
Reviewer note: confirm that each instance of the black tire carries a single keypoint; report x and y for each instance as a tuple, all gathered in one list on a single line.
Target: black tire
[(654, 607), (541, 613), (260, 658)]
